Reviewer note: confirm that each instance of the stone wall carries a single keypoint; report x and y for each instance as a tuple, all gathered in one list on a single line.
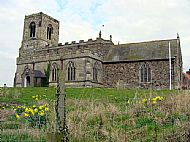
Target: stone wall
[(127, 75), (40, 40), (83, 60)]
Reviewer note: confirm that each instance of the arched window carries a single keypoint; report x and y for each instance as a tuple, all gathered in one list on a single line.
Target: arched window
[(71, 71), (32, 29), (145, 73), (49, 31), (95, 72), (54, 72)]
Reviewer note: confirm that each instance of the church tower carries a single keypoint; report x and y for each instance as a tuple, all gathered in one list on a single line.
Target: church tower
[(40, 30)]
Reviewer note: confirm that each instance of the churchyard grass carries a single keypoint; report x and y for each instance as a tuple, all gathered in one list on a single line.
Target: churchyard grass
[(97, 114)]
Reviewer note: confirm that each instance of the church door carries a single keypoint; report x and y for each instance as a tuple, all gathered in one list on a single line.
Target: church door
[(27, 81)]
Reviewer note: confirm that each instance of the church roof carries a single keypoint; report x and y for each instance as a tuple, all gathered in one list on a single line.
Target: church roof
[(38, 74), (187, 75), (158, 49)]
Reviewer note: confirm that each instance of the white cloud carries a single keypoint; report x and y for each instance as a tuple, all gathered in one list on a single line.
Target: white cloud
[(126, 20)]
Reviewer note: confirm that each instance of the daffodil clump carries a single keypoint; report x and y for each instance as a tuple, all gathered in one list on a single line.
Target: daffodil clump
[(39, 97), (6, 106), (153, 101), (36, 115)]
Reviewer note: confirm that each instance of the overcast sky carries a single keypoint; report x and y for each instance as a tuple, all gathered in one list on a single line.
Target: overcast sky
[(126, 20)]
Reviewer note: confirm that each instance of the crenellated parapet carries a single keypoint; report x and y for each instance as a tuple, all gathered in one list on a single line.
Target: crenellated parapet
[(90, 48), (53, 54)]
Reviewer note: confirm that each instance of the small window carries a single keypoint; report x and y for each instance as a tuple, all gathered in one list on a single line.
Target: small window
[(145, 73), (32, 29), (71, 71), (95, 72), (49, 32)]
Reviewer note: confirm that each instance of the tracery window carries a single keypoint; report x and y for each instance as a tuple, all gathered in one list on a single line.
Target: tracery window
[(49, 31), (54, 72), (145, 73), (71, 71), (32, 29)]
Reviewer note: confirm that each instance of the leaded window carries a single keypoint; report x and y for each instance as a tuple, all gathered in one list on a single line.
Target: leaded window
[(54, 72), (145, 73), (71, 71)]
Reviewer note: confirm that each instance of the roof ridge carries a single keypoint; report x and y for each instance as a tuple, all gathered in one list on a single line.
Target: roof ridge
[(148, 41)]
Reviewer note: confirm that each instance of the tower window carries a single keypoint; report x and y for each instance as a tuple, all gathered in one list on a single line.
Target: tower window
[(49, 31), (145, 73), (71, 71), (32, 29)]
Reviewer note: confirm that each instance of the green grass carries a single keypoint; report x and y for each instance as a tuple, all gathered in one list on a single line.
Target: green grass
[(98, 113), (23, 95)]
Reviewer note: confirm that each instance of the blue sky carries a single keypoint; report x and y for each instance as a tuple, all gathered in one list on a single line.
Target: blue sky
[(126, 20)]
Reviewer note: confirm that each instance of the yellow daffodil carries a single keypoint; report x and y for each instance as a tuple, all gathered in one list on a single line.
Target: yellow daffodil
[(34, 106), (41, 113), (161, 98), (36, 99), (158, 98), (154, 99), (154, 102), (144, 100), (46, 108), (26, 110), (17, 116), (26, 114), (35, 110), (32, 111), (40, 107), (128, 102)]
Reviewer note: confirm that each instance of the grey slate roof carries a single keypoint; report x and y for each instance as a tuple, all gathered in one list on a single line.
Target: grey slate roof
[(158, 49), (38, 74)]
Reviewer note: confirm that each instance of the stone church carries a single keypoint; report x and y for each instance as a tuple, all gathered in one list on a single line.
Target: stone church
[(94, 63)]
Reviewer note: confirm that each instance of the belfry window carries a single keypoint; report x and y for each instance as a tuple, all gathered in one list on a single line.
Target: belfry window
[(145, 73), (49, 31), (32, 29), (71, 71), (54, 72)]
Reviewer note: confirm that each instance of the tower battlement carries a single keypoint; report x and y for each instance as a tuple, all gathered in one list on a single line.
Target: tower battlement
[(41, 14)]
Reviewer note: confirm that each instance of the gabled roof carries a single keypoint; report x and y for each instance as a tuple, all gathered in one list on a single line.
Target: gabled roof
[(38, 74), (158, 49)]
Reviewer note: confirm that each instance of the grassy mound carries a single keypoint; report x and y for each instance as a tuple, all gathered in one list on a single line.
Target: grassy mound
[(99, 114)]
